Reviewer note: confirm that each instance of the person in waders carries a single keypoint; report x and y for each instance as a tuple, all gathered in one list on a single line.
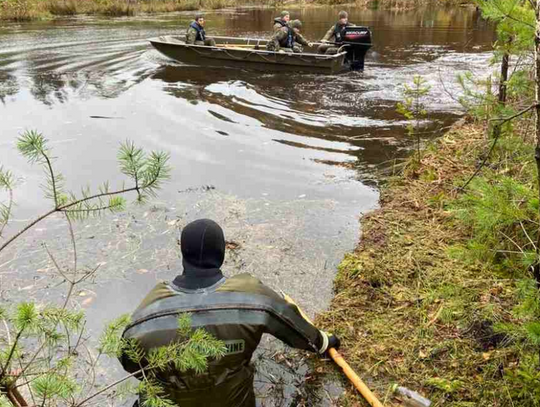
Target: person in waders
[(335, 34), (281, 21), (195, 34), (237, 310)]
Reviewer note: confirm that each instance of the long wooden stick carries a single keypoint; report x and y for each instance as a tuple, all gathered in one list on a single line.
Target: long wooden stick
[(338, 359)]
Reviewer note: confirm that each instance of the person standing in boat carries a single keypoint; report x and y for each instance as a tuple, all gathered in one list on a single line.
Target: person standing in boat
[(288, 39), (196, 35), (335, 35), (281, 21)]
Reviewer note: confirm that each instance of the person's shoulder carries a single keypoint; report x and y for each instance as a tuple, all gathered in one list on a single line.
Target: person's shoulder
[(246, 283), (161, 291)]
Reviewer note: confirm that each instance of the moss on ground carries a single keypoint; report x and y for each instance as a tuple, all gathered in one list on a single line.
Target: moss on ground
[(407, 310)]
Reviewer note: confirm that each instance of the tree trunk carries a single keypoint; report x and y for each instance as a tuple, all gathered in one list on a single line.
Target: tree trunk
[(504, 78), (536, 268)]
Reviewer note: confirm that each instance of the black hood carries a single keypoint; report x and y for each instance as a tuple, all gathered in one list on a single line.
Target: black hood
[(203, 250), (203, 244)]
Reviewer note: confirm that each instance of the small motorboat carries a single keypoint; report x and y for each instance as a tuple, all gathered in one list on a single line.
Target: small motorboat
[(251, 53)]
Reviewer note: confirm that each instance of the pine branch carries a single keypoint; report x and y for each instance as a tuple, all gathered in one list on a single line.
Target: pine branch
[(11, 353), (497, 131), (110, 386), (7, 183), (62, 208)]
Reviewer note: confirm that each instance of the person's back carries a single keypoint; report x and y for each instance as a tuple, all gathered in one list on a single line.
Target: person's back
[(236, 310)]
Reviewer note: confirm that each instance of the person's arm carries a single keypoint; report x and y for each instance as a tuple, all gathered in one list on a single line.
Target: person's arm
[(191, 36), (301, 40), (329, 34), (286, 323)]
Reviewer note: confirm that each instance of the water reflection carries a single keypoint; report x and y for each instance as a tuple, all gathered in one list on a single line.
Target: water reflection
[(9, 86)]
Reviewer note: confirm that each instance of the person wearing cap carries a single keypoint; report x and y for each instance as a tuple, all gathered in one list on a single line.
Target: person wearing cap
[(281, 21), (335, 35), (196, 35), (237, 310), (288, 39)]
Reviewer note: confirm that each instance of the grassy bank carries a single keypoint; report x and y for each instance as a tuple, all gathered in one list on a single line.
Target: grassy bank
[(395, 4), (27, 10), (422, 303)]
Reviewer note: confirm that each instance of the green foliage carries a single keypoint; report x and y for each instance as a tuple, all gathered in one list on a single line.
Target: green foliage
[(7, 183), (191, 350), (501, 214), (524, 383), (148, 173), (515, 24), (41, 343), (4, 402), (51, 387), (110, 342), (445, 385), (53, 370), (26, 316), (413, 109)]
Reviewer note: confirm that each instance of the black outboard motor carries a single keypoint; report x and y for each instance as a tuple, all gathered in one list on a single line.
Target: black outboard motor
[(358, 41)]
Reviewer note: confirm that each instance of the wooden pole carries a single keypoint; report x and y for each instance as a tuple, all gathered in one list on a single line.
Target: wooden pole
[(348, 370)]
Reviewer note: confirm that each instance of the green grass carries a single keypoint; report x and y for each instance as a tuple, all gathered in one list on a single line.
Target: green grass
[(409, 311)]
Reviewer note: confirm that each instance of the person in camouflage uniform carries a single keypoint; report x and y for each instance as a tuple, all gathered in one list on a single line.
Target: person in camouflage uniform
[(281, 21), (335, 35), (196, 35), (288, 39), (237, 310)]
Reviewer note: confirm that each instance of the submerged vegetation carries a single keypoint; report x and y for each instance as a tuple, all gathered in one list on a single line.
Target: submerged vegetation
[(443, 293), (45, 356)]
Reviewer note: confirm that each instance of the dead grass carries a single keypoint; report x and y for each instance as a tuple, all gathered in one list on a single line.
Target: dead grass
[(409, 313), (395, 4), (25, 10)]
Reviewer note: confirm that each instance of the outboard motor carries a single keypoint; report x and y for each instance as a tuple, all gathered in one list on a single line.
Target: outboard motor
[(358, 41)]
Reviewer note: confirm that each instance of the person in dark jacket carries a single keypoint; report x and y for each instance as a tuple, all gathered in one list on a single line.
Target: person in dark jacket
[(281, 21), (335, 34), (195, 34), (237, 310), (288, 39)]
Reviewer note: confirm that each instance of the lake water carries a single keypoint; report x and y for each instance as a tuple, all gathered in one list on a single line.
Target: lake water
[(285, 162)]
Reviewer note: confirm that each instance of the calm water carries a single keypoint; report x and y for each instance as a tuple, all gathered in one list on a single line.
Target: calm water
[(284, 162)]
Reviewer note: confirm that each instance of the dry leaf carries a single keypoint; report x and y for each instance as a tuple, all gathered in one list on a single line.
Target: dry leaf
[(87, 301)]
